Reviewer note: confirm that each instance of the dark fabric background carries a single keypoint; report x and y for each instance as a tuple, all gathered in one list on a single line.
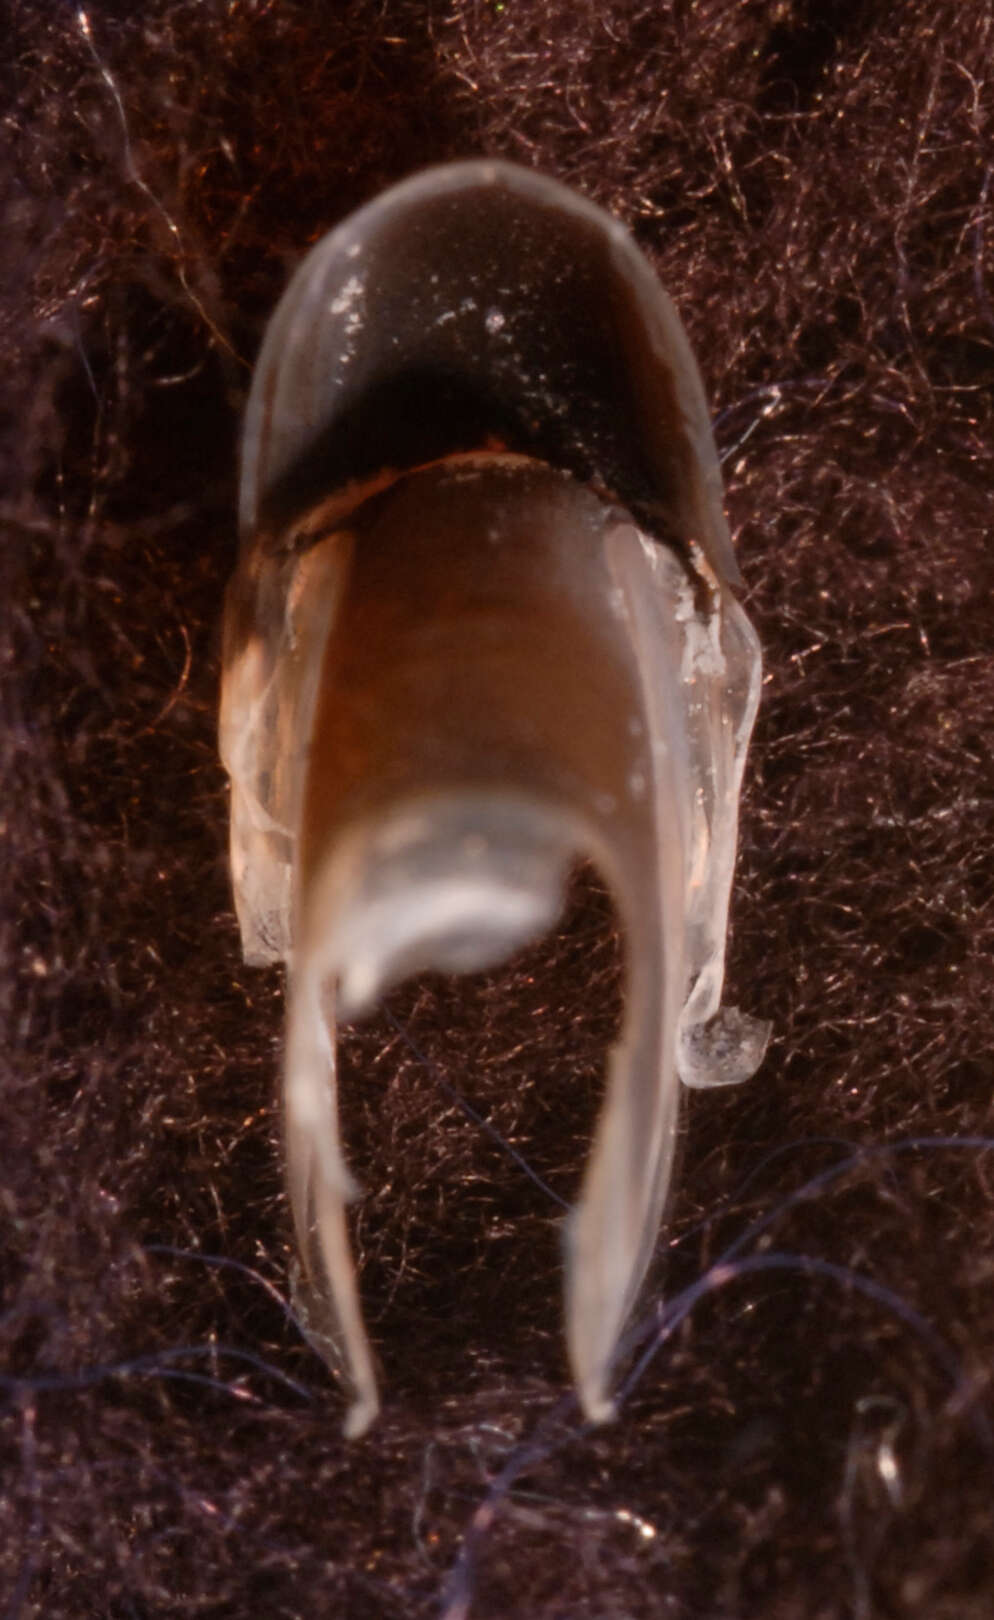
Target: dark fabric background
[(813, 182)]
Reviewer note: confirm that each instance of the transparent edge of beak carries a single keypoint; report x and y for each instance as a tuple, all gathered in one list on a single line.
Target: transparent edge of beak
[(700, 675)]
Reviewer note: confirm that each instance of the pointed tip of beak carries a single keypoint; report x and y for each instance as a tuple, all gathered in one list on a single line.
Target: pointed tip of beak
[(360, 1416)]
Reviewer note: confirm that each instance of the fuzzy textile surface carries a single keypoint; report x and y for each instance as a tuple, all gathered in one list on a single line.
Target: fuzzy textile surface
[(808, 1434)]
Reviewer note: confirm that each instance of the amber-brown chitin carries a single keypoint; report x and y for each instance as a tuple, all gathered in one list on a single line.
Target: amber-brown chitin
[(483, 623)]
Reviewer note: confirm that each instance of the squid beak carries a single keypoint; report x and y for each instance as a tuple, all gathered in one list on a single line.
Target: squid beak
[(483, 624)]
